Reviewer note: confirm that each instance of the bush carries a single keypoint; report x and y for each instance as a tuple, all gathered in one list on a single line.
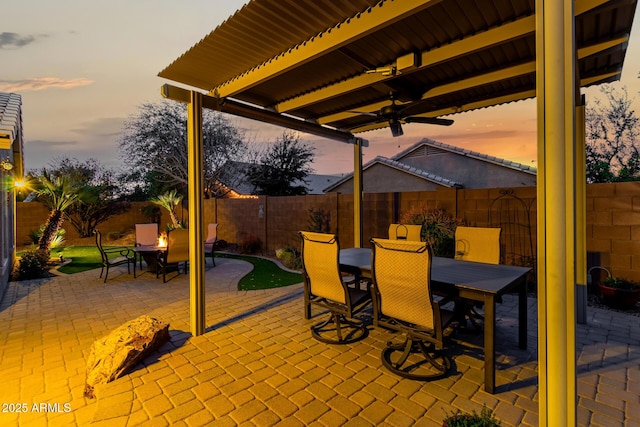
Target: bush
[(484, 419), (249, 245), (438, 228), (290, 258), (32, 265)]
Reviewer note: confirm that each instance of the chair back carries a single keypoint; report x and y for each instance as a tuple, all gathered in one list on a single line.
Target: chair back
[(479, 244), (405, 232), (99, 245), (212, 233), (147, 234), (320, 266), (402, 281), (177, 245)]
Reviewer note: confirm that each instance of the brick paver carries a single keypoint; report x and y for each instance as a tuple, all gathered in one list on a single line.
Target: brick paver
[(258, 365)]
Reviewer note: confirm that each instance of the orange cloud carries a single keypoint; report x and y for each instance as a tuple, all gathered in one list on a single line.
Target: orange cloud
[(42, 83)]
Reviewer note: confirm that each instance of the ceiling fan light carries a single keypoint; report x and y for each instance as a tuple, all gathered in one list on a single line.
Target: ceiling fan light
[(396, 128)]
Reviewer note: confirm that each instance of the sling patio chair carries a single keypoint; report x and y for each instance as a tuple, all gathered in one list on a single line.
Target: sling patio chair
[(176, 253), (146, 237), (405, 232), (403, 302), (325, 287), (210, 242), (478, 244), (114, 256)]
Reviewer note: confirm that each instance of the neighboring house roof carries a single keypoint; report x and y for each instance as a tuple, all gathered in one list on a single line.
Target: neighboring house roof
[(235, 179), (401, 162), (316, 183), (11, 127), (400, 166), (473, 154)]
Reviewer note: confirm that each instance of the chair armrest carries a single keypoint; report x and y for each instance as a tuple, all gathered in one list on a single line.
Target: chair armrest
[(122, 251)]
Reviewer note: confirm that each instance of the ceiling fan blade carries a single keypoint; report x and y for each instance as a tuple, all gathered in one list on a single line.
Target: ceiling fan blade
[(364, 113), (428, 120)]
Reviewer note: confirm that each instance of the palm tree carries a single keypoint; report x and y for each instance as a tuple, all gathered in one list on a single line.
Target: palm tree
[(56, 194), (169, 201)]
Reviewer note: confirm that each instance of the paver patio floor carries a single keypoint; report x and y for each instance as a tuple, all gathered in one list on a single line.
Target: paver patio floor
[(258, 365)]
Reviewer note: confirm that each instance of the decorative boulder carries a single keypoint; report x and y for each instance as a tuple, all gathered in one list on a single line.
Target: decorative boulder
[(114, 355)]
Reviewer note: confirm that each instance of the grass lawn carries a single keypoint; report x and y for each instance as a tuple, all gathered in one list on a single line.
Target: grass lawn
[(83, 258), (266, 274)]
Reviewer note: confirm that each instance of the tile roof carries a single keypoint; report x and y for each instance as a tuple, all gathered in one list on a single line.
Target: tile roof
[(468, 153), (396, 162), (403, 167), (10, 116)]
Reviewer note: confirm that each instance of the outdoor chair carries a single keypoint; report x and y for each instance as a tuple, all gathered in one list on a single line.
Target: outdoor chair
[(210, 242), (114, 256), (403, 302), (405, 232), (478, 244), (325, 287), (146, 236), (176, 253)]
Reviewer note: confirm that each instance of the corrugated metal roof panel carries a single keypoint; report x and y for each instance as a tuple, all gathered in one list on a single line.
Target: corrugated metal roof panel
[(243, 58)]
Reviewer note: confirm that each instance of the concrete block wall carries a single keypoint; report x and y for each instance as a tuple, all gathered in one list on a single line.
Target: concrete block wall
[(613, 227), (613, 218)]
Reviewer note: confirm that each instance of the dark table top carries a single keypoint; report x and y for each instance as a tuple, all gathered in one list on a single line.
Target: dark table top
[(488, 278), (149, 248)]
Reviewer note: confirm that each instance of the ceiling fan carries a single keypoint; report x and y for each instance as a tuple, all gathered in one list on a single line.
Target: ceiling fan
[(395, 115)]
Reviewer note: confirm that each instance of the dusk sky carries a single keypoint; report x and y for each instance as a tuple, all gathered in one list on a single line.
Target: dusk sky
[(83, 67)]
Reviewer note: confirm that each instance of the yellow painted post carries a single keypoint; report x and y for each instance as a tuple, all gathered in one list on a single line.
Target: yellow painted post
[(196, 223), (14, 208), (555, 91), (581, 215), (357, 193)]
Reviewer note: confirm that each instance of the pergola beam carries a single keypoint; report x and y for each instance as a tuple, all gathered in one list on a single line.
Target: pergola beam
[(234, 107)]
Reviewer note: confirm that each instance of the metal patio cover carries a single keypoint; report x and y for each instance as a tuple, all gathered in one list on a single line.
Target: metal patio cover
[(321, 63), (316, 65)]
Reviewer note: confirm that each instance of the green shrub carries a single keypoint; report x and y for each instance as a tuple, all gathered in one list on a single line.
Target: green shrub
[(484, 419), (438, 228), (290, 258), (619, 283), (32, 265)]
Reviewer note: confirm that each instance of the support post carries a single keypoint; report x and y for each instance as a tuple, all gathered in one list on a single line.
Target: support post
[(581, 215), (555, 91), (196, 224), (357, 193)]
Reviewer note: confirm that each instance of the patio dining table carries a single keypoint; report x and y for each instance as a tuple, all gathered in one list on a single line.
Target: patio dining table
[(472, 280)]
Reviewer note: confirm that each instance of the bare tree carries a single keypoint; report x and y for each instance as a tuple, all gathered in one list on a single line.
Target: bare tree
[(612, 129), (154, 147)]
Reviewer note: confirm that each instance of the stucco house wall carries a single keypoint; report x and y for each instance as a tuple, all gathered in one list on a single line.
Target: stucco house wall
[(471, 172), (11, 148), (428, 165), (380, 178)]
